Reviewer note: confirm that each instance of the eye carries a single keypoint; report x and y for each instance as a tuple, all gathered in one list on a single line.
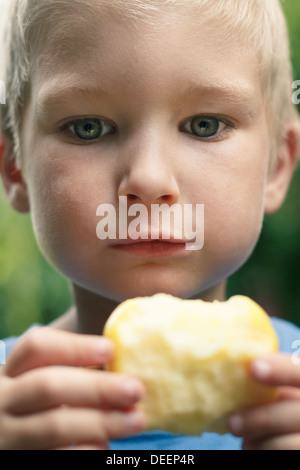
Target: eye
[(204, 127), (90, 128)]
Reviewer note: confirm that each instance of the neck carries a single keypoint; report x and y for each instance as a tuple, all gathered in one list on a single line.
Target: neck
[(89, 314), (91, 310), (217, 292)]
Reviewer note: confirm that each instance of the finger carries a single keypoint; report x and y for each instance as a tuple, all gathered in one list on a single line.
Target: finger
[(97, 446), (285, 442), (47, 346), (276, 369), (51, 387), (281, 417), (61, 428), (288, 393)]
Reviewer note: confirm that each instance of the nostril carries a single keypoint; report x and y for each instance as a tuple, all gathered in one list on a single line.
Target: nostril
[(165, 198), (132, 197)]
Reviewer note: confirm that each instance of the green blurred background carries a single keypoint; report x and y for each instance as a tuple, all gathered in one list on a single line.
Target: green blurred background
[(31, 291)]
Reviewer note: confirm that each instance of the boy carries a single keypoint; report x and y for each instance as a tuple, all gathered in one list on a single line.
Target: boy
[(175, 102)]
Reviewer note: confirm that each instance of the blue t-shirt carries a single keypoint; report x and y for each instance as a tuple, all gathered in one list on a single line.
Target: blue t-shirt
[(287, 334)]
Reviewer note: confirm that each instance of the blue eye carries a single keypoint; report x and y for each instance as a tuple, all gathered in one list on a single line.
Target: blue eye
[(90, 128), (203, 126)]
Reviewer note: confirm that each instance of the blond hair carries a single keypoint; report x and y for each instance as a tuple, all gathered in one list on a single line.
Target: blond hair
[(259, 22)]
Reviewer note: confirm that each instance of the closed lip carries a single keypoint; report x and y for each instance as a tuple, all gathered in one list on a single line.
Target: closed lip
[(130, 241), (151, 248)]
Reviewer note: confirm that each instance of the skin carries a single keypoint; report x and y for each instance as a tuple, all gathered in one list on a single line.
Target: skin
[(149, 159)]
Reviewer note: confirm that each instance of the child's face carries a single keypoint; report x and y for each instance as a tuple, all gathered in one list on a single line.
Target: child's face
[(144, 84)]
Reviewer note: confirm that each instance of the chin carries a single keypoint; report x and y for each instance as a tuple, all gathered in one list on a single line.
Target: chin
[(146, 288)]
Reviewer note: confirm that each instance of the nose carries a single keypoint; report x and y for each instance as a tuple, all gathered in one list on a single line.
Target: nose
[(149, 173)]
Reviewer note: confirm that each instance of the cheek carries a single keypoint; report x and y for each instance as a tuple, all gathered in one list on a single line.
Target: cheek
[(231, 185), (64, 196)]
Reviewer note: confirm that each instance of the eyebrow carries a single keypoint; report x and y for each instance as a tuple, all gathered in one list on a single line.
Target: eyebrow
[(59, 93), (64, 93), (235, 93)]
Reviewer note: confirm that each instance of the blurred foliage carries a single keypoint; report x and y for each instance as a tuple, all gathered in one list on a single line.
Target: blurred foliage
[(31, 291)]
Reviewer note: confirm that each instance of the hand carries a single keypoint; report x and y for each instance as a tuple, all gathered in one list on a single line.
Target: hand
[(275, 426), (48, 401)]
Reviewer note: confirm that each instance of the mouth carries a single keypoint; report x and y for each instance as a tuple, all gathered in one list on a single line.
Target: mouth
[(151, 248)]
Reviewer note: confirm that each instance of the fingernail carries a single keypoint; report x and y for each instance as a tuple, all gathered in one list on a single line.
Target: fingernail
[(104, 346), (133, 389), (135, 421), (261, 369), (236, 423)]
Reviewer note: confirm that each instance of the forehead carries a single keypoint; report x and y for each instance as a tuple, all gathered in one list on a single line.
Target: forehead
[(103, 47)]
